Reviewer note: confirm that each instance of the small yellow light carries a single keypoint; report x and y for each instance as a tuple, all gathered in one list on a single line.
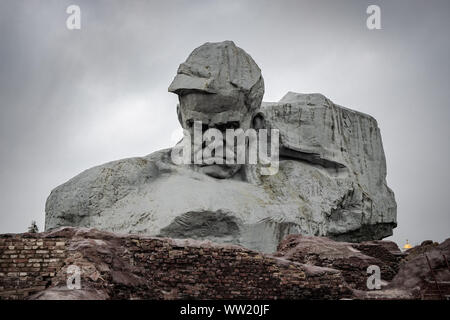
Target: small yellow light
[(407, 245)]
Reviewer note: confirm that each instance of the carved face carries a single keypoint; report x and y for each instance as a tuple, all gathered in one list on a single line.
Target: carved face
[(218, 112)]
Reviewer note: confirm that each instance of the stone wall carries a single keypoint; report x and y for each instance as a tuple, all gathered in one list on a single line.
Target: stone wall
[(114, 266), (133, 267)]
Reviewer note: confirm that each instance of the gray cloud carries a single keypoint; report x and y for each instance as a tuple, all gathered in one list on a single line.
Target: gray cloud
[(73, 99)]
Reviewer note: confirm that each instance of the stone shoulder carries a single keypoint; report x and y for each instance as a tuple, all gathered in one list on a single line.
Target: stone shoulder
[(100, 187)]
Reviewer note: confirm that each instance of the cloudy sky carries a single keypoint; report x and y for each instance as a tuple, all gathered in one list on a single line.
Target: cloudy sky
[(70, 100)]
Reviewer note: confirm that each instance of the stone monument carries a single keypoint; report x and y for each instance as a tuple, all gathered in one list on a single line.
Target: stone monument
[(330, 179)]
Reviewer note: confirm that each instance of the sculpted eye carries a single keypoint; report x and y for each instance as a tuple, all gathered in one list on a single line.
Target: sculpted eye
[(229, 125), (233, 125), (189, 123)]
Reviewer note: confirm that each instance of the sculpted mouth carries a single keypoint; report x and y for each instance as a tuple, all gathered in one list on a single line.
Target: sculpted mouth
[(220, 171), (220, 160), (215, 161)]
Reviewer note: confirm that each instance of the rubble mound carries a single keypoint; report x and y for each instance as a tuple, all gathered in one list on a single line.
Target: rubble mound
[(426, 271), (352, 259)]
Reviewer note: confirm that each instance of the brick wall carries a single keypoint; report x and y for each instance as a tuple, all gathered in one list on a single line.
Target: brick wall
[(28, 263)]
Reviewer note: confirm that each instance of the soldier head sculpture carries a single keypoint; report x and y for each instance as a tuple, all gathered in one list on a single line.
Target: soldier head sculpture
[(220, 86)]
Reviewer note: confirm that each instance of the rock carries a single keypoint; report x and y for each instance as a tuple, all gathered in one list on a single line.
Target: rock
[(386, 251), (62, 293), (330, 180), (424, 247), (427, 243), (342, 256), (415, 271), (389, 246), (385, 294), (414, 279)]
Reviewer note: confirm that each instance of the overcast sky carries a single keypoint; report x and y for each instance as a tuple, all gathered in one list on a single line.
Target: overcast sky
[(70, 100)]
